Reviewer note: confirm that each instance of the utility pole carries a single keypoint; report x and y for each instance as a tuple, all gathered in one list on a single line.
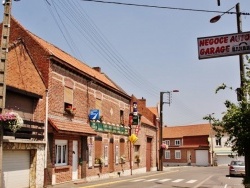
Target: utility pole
[(3, 70), (241, 59), (161, 152), (160, 133)]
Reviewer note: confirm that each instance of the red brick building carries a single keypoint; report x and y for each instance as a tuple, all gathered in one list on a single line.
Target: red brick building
[(147, 143), (86, 115), (187, 145), (23, 149)]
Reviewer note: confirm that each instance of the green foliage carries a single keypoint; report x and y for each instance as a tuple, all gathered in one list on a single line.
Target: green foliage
[(235, 122)]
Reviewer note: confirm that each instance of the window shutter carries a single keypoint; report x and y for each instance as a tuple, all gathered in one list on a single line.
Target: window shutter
[(68, 95)]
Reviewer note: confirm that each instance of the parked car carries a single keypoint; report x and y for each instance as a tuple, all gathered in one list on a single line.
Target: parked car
[(237, 167)]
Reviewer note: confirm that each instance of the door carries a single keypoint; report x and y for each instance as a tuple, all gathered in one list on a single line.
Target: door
[(189, 157), (75, 160), (16, 169), (148, 155), (111, 156), (201, 157)]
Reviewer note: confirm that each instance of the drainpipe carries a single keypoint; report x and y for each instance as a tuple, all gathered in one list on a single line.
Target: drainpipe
[(46, 128)]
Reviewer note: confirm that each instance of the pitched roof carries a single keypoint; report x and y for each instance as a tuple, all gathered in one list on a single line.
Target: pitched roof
[(66, 58), (146, 121), (154, 110), (188, 130), (22, 72), (60, 54), (71, 127)]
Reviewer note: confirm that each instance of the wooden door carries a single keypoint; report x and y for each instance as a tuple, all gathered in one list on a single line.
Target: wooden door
[(111, 156), (148, 154)]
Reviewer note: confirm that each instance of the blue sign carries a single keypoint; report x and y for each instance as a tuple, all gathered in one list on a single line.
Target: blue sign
[(94, 114)]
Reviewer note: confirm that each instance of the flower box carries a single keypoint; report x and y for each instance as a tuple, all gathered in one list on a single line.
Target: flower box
[(70, 110), (11, 120)]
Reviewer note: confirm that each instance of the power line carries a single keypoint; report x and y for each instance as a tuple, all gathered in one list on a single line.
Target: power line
[(91, 33), (163, 7)]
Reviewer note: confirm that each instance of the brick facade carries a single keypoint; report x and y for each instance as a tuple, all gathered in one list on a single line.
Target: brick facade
[(66, 79)]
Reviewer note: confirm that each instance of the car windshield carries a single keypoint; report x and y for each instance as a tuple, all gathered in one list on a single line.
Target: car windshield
[(238, 163)]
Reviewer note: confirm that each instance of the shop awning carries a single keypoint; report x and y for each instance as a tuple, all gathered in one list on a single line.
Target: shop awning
[(69, 127)]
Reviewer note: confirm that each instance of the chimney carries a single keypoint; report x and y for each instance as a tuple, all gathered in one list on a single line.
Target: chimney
[(98, 69)]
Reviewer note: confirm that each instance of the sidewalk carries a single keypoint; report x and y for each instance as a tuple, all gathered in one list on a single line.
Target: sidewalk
[(83, 182)]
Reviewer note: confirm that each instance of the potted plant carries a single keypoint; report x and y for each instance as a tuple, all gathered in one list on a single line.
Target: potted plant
[(99, 161), (11, 120), (122, 159), (70, 110), (164, 146), (137, 159)]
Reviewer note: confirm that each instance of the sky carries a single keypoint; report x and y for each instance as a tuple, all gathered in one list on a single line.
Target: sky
[(146, 50)]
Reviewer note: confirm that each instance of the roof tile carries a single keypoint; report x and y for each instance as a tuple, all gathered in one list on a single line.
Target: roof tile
[(188, 130), (73, 127)]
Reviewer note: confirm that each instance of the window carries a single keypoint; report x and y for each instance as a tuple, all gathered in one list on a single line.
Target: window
[(218, 141), (167, 154), (177, 154), (121, 117), (106, 155), (68, 95), (61, 152), (167, 142), (116, 154), (177, 142)]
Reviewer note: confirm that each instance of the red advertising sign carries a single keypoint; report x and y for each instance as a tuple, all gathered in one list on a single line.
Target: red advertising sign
[(224, 45)]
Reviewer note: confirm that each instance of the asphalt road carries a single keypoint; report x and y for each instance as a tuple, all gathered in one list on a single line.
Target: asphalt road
[(181, 177)]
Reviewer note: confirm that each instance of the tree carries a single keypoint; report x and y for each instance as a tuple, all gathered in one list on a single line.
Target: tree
[(236, 122)]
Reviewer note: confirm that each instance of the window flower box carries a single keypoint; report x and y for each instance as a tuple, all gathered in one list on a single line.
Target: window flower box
[(11, 120), (70, 110)]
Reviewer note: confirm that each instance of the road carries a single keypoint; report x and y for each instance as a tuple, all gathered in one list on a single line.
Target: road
[(181, 177)]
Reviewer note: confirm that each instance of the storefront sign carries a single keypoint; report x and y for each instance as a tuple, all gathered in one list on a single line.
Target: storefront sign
[(224, 45), (94, 114)]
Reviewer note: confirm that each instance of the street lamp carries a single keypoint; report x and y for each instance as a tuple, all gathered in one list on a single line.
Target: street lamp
[(239, 30), (161, 125)]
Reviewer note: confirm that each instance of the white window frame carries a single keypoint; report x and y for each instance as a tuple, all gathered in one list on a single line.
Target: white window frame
[(167, 142), (61, 152), (177, 142), (90, 155), (106, 155), (167, 154), (177, 154)]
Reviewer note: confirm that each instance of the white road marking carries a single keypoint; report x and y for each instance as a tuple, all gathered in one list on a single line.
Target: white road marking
[(164, 180), (178, 180), (151, 180), (138, 180), (191, 181)]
